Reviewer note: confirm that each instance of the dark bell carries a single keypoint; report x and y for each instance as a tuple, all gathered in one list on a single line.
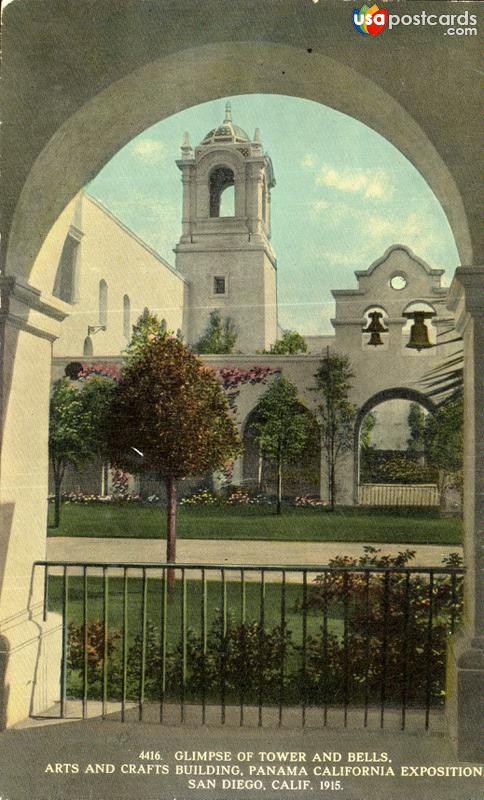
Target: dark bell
[(419, 333), (375, 339), (374, 328)]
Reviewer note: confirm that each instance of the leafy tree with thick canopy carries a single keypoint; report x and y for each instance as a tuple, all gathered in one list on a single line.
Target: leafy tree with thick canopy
[(220, 335), (170, 416), (289, 344), (147, 327), (444, 443), (416, 425), (77, 427), (282, 428), (336, 414)]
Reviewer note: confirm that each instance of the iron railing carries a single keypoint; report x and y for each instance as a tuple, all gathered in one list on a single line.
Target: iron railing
[(264, 640)]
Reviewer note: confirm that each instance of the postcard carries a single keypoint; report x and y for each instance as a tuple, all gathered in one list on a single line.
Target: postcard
[(241, 323)]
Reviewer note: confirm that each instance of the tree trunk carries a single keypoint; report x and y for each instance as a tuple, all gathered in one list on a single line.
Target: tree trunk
[(259, 470), (332, 487), (442, 487), (171, 528), (323, 483), (279, 485), (57, 504)]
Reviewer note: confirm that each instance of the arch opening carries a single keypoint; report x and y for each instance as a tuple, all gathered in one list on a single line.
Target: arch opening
[(391, 464), (59, 179), (259, 474), (103, 303), (222, 192)]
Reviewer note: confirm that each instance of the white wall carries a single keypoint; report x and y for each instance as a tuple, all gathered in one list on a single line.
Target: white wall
[(111, 252)]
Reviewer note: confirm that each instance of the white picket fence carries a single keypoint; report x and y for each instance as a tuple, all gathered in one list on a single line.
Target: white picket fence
[(398, 494)]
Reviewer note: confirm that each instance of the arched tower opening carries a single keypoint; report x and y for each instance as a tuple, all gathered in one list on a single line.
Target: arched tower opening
[(221, 180)]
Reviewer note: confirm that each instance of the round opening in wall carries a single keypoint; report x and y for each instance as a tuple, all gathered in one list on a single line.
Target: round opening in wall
[(398, 282)]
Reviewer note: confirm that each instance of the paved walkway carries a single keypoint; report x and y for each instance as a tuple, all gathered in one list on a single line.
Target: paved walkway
[(215, 551), (26, 753)]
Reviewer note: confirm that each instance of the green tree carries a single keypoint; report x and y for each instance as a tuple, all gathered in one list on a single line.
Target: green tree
[(366, 431), (290, 343), (170, 416), (336, 414), (416, 424), (282, 428), (220, 335), (444, 443), (77, 432), (70, 435), (97, 395), (147, 327)]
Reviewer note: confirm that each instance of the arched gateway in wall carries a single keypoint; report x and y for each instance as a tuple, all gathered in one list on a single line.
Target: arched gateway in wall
[(395, 393), (171, 66)]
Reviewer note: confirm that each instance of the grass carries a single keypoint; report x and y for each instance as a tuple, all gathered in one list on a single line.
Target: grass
[(272, 604), (413, 525)]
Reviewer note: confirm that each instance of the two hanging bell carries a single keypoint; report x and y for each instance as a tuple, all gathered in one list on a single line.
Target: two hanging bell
[(419, 333), (375, 328)]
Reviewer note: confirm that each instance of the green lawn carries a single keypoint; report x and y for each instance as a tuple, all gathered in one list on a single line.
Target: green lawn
[(272, 604), (415, 526)]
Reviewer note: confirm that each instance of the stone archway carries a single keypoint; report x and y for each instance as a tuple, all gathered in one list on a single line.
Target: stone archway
[(84, 114), (98, 129), (396, 393), (300, 478)]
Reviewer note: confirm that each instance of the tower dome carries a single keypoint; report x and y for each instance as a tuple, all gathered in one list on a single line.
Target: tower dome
[(227, 132)]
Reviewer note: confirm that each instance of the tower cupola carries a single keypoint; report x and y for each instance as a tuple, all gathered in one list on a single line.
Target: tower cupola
[(224, 249)]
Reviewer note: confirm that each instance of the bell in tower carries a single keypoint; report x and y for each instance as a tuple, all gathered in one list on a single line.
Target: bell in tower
[(224, 249)]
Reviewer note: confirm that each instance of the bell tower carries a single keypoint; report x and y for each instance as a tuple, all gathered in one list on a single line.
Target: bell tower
[(224, 250)]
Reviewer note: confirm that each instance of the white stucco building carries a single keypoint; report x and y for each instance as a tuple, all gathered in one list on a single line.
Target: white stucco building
[(107, 277)]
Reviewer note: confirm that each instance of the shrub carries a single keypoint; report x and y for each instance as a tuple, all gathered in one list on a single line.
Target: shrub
[(306, 501), (367, 631), (387, 622), (204, 497), (393, 466)]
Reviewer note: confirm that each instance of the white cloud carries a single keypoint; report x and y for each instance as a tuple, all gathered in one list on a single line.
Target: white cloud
[(308, 161), (370, 184), (150, 150)]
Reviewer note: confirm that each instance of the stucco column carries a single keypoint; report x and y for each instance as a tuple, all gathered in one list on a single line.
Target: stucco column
[(187, 199), (465, 675), (29, 647)]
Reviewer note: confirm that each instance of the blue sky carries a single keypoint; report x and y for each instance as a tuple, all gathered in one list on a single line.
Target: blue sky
[(343, 195)]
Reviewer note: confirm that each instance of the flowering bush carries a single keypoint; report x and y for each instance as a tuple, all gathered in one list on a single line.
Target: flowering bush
[(201, 498), (101, 369), (306, 501), (234, 496), (93, 639), (240, 497), (84, 498), (119, 484), (153, 498), (232, 378)]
